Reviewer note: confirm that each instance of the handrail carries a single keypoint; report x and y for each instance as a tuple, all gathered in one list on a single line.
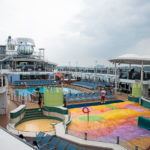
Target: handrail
[(125, 144), (13, 130)]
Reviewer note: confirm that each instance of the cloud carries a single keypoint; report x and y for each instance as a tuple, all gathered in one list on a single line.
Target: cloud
[(142, 47), (110, 28), (80, 31)]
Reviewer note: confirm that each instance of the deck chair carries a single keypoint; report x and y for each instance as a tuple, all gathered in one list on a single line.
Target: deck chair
[(84, 97), (45, 141), (52, 144), (87, 96), (38, 137), (79, 96), (110, 94), (68, 95), (62, 145), (67, 99), (71, 99), (71, 147), (91, 95), (76, 97), (97, 95)]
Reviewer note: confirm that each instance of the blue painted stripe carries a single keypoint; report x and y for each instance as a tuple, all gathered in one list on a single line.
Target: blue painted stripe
[(93, 104)]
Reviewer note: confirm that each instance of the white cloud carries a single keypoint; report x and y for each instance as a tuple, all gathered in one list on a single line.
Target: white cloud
[(78, 30), (142, 47)]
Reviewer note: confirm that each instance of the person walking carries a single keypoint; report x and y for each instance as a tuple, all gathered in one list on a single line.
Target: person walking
[(38, 96)]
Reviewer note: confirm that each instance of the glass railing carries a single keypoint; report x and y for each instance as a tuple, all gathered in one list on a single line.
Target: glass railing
[(134, 76), (21, 99)]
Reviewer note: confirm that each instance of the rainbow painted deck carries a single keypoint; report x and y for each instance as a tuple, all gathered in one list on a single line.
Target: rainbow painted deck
[(106, 122)]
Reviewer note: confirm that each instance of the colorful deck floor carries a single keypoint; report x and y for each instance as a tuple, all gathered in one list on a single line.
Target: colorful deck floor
[(106, 122)]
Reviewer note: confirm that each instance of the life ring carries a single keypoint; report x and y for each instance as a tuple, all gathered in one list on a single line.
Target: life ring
[(85, 110)]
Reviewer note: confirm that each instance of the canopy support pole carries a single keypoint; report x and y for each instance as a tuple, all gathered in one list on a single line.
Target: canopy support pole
[(115, 77), (142, 77)]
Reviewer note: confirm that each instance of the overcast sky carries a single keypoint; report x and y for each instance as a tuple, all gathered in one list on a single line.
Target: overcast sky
[(79, 32)]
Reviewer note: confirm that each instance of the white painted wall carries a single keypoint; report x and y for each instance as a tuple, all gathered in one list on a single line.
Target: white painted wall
[(9, 142), (3, 101)]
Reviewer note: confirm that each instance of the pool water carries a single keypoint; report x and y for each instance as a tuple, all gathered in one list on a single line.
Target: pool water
[(28, 91)]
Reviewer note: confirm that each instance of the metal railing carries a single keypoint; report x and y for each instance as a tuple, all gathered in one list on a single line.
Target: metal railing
[(21, 99), (112, 139)]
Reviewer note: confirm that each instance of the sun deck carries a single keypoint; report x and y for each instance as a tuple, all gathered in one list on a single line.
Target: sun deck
[(121, 117)]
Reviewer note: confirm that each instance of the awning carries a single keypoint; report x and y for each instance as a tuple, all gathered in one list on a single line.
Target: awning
[(59, 75), (132, 59)]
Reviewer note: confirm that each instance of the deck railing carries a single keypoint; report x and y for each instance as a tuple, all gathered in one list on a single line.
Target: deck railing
[(112, 139)]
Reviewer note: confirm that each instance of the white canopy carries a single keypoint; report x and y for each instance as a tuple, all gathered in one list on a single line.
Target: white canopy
[(131, 59)]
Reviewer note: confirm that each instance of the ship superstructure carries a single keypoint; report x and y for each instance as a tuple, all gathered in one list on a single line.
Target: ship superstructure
[(22, 63)]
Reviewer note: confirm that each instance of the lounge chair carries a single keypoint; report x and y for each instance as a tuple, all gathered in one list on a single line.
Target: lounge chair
[(76, 97), (38, 137), (87, 96), (71, 147), (109, 95), (45, 141), (84, 96), (94, 96), (67, 99), (71, 99), (68, 95), (91, 96), (79, 96), (97, 95), (62, 145), (52, 144)]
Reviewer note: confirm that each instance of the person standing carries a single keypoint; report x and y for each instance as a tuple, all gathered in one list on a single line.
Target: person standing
[(40, 99), (35, 145), (103, 94), (22, 137), (38, 96), (64, 99)]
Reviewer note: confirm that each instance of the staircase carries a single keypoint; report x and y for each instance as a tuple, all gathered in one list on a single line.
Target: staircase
[(34, 114)]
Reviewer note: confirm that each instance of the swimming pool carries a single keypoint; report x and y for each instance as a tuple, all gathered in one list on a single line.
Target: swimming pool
[(28, 91)]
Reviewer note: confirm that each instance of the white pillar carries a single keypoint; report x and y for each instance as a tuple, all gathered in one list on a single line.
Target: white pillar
[(142, 78), (129, 71), (43, 53), (1, 80), (1, 67), (76, 69), (115, 77)]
